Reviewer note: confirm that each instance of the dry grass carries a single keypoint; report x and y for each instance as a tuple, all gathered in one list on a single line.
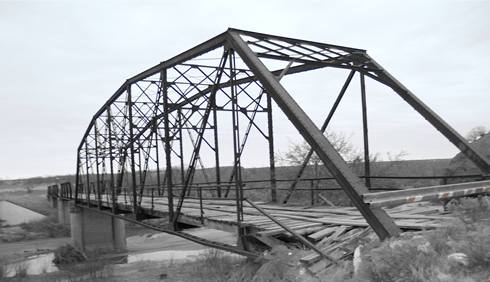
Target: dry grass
[(213, 265), (47, 228), (36, 201), (423, 256)]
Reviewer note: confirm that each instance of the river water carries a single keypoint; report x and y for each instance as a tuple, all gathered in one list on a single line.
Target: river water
[(13, 214), (43, 263)]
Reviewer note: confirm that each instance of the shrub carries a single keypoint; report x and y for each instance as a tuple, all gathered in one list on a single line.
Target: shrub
[(424, 257), (67, 255)]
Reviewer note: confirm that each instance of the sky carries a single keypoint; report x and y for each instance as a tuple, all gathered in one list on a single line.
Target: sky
[(61, 60)]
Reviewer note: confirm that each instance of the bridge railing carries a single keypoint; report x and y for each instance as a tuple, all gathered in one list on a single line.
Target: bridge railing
[(207, 190), (60, 190)]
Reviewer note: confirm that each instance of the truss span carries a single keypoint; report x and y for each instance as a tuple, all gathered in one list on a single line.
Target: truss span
[(160, 129)]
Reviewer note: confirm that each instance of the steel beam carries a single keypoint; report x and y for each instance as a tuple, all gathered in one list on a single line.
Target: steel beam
[(132, 153), (365, 135), (168, 150), (378, 219)]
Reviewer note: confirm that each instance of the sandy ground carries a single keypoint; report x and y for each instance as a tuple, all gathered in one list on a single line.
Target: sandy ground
[(163, 241)]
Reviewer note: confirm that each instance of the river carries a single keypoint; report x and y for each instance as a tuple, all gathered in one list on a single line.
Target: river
[(13, 214)]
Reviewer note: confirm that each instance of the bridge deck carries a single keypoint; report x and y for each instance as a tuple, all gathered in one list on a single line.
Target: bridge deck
[(221, 214), (333, 230)]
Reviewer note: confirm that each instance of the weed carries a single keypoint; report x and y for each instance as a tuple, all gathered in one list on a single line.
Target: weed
[(212, 265), (424, 256)]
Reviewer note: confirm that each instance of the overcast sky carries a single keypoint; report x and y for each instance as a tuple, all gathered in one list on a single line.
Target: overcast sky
[(60, 61)]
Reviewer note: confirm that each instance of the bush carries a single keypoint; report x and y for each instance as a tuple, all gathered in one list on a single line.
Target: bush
[(67, 255), (424, 256)]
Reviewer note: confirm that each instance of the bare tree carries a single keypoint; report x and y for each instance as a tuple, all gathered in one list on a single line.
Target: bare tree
[(297, 152), (476, 133)]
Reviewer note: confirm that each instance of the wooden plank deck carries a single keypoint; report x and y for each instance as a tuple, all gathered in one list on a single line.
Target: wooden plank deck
[(334, 230), (221, 214)]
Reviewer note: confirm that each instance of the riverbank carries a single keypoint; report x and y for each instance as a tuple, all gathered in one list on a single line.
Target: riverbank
[(158, 247)]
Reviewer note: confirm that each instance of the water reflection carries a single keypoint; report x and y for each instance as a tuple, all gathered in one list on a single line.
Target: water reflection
[(13, 214)]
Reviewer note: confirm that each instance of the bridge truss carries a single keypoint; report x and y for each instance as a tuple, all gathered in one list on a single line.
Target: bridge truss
[(199, 107)]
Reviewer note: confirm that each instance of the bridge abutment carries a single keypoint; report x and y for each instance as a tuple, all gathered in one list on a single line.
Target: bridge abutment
[(92, 230)]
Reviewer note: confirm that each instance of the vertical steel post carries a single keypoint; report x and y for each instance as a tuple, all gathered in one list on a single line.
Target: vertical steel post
[(111, 159), (270, 138), (168, 151), (201, 204), (141, 180), (132, 153), (87, 168), (236, 147), (77, 176), (312, 193), (157, 156), (181, 148), (216, 148), (97, 176), (367, 165)]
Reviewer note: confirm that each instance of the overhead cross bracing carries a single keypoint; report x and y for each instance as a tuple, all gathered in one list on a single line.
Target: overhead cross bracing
[(201, 106)]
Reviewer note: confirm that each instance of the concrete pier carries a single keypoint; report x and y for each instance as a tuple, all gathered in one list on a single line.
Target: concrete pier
[(63, 207), (53, 202), (92, 230)]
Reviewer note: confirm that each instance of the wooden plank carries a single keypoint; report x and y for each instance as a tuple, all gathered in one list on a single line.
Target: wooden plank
[(275, 231), (322, 233)]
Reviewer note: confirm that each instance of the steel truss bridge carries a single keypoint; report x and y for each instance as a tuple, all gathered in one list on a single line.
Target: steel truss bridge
[(141, 152)]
